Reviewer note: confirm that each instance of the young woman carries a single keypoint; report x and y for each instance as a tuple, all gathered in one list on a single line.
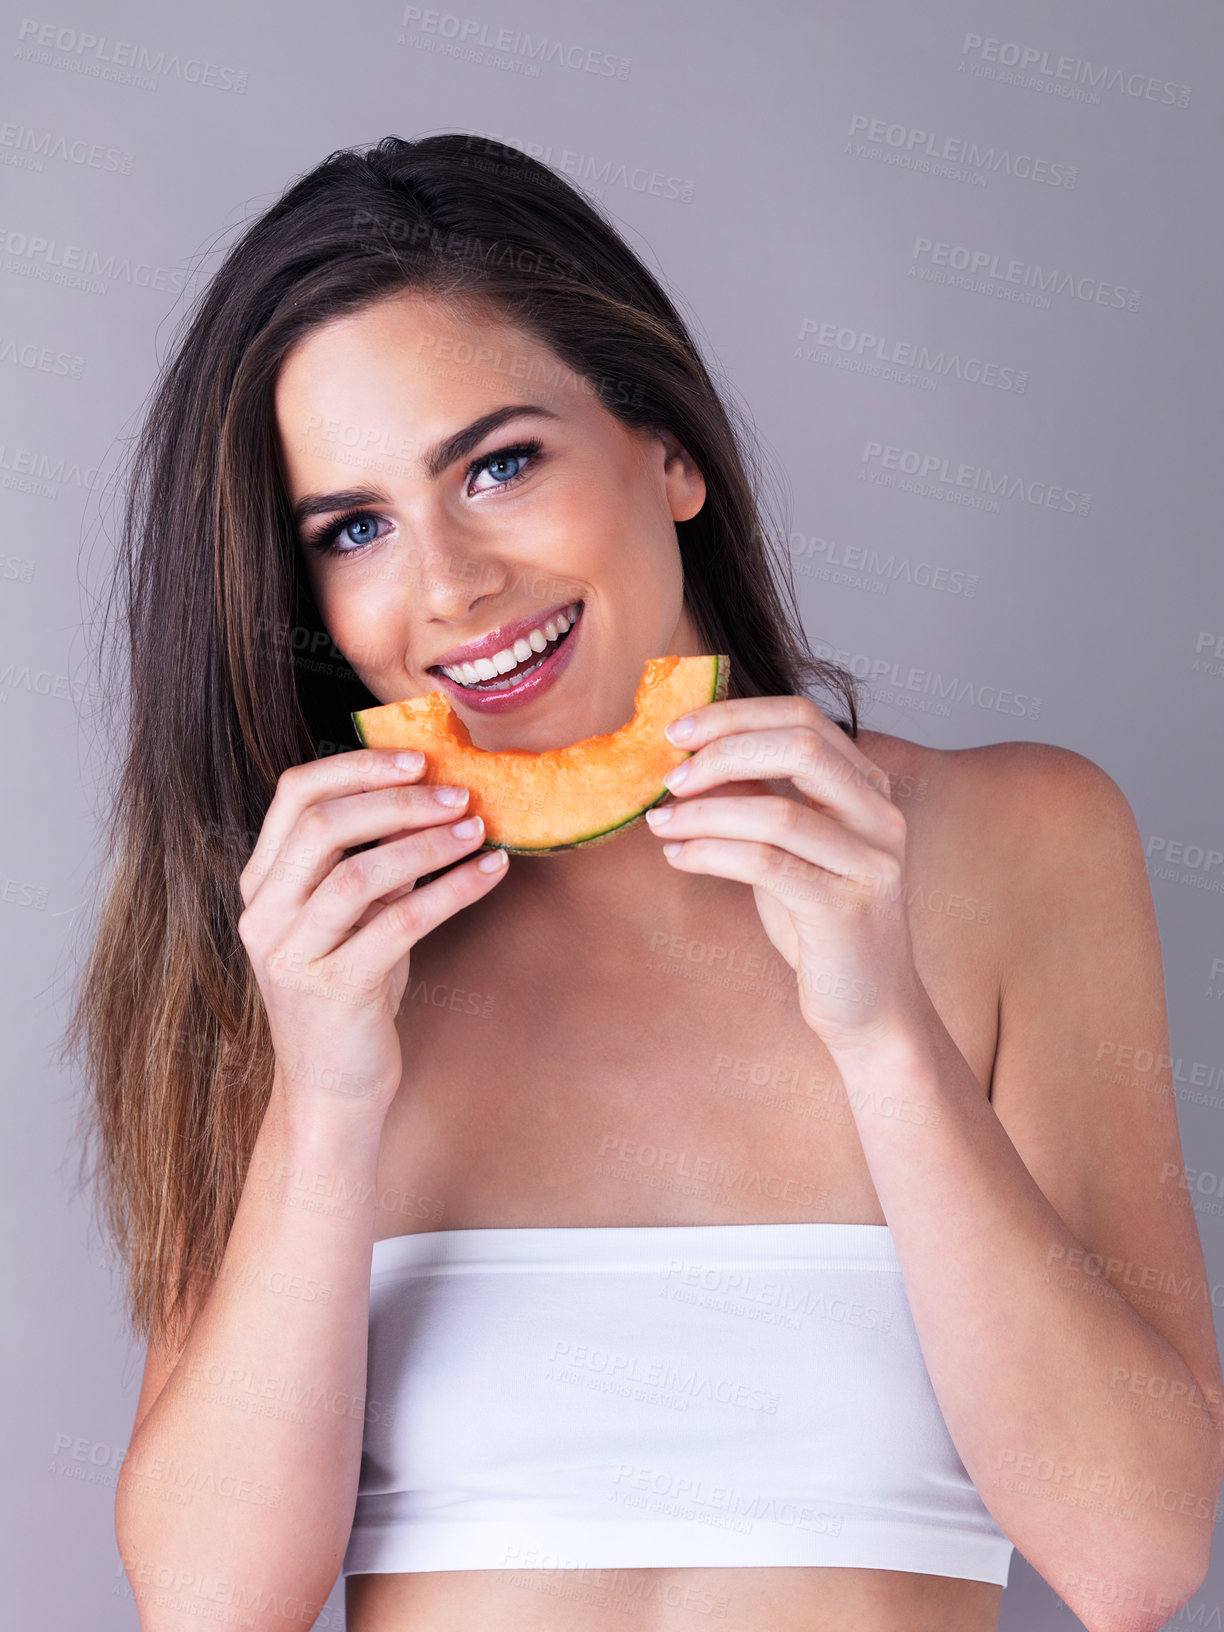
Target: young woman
[(763, 1216)]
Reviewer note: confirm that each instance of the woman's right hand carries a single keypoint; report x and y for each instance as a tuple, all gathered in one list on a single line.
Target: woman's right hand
[(329, 938)]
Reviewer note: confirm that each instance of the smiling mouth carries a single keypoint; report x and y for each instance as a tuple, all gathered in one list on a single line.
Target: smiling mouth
[(475, 677)]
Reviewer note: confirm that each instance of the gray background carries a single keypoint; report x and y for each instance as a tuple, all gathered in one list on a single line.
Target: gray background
[(733, 145)]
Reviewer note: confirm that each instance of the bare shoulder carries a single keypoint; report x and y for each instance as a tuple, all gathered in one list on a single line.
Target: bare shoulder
[(1040, 832), (1002, 805)]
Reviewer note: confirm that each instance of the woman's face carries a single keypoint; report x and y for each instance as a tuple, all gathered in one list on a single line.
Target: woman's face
[(462, 551)]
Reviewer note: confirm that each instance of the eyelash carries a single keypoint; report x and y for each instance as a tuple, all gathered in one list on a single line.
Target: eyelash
[(325, 539)]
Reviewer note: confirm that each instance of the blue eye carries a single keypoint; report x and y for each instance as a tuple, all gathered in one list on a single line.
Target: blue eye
[(497, 461), (355, 531), (366, 523), (502, 460), (328, 540)]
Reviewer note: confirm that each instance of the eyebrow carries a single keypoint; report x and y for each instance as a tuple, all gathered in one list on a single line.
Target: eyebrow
[(435, 461)]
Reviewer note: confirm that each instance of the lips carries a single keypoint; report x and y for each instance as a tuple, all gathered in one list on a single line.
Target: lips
[(496, 640), (535, 679)]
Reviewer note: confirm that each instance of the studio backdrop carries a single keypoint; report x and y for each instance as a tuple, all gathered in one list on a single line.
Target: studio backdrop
[(958, 265)]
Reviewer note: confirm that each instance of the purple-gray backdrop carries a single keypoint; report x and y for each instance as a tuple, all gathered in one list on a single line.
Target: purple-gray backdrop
[(960, 261)]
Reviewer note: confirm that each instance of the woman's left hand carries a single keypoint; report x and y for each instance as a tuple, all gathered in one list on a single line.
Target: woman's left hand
[(825, 858)]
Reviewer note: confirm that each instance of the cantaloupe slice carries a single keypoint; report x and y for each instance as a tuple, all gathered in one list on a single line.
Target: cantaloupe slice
[(535, 804)]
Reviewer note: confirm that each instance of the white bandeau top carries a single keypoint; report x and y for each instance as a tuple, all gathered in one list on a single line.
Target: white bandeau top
[(656, 1396)]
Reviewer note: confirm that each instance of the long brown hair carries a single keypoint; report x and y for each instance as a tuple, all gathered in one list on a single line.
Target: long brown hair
[(219, 628)]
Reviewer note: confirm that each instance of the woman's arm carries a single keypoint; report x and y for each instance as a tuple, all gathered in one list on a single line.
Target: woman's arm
[(1057, 1288), (239, 1485), (1053, 1380)]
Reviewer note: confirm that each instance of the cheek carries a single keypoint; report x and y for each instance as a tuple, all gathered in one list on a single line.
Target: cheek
[(656, 564), (362, 619)]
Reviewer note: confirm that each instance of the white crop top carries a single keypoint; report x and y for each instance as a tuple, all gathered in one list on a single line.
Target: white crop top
[(656, 1396)]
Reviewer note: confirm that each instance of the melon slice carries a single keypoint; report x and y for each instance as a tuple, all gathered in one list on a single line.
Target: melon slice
[(535, 804)]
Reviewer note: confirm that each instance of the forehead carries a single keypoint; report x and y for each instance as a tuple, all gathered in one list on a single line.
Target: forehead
[(411, 361)]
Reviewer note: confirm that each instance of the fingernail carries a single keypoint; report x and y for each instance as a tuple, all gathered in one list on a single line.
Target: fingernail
[(491, 861), (673, 849), (468, 828), (410, 760), (451, 796), (659, 815), (680, 730), (675, 777)]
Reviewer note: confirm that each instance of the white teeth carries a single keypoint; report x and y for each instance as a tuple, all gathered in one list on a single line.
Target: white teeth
[(505, 685), (537, 640)]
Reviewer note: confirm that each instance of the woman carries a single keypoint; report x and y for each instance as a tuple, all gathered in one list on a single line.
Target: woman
[(731, 1220)]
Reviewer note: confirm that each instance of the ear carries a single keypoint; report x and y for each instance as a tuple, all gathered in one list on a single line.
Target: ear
[(686, 488)]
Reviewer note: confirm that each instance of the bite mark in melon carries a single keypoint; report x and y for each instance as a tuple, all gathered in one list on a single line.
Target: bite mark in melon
[(535, 804)]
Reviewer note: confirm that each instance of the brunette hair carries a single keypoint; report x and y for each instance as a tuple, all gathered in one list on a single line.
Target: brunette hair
[(219, 623)]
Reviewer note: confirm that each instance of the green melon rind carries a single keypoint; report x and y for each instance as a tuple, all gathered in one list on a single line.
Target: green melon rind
[(601, 837), (717, 695)]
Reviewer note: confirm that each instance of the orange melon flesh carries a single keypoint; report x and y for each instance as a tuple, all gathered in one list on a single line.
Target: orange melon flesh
[(535, 804)]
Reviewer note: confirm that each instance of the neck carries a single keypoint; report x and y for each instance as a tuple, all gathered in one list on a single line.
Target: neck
[(623, 890)]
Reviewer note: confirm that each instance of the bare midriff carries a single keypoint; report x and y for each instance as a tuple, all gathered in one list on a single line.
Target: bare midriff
[(779, 1599), (527, 1037)]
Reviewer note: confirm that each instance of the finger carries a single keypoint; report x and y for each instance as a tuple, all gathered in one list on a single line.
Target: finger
[(330, 826), (735, 714), (333, 910), (799, 755), (799, 886), (375, 950), (774, 820), (364, 770)]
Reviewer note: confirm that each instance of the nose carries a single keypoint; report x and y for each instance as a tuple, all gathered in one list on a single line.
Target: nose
[(454, 580)]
